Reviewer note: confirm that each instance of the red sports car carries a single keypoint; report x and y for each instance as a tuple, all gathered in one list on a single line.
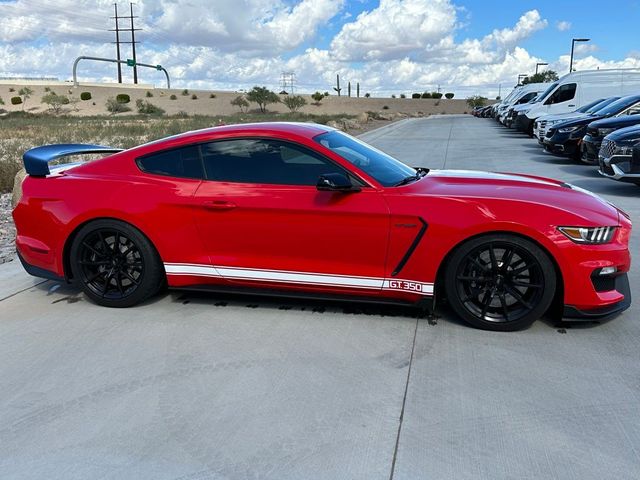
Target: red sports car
[(302, 209)]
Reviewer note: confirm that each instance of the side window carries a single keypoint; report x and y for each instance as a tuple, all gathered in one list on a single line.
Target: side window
[(632, 110), (526, 98), (564, 93), (180, 162), (264, 161)]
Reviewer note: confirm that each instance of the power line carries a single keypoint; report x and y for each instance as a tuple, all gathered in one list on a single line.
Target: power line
[(132, 30)]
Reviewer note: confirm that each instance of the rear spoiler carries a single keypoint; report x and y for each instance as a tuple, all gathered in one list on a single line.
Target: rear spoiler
[(36, 161)]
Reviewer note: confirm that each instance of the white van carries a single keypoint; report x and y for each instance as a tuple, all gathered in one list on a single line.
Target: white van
[(524, 93), (579, 88)]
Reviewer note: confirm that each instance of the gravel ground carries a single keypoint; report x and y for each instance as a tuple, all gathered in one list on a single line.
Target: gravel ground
[(7, 230)]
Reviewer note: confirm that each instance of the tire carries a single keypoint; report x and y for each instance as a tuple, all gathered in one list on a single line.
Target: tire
[(115, 277), (500, 282)]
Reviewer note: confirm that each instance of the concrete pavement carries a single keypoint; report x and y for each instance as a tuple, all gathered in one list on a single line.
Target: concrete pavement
[(209, 387)]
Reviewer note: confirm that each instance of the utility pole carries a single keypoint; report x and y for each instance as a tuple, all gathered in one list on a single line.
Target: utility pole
[(117, 42), (133, 46)]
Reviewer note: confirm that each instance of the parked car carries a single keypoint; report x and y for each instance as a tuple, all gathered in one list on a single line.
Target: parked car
[(514, 111), (525, 94), (596, 131), (565, 138), (579, 88), (306, 210), (619, 156), (545, 122)]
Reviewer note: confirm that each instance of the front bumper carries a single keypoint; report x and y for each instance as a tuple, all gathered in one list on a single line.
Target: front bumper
[(599, 313), (590, 148), (619, 167), (561, 145), (523, 123)]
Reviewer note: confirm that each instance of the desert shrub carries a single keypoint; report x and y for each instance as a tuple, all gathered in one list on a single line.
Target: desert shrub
[(173, 97), (393, 95), (16, 100), (194, 97), (402, 95), (85, 96), (185, 92), (326, 94), (25, 93), (415, 95), (55, 102), (426, 95), (385, 107), (123, 98), (148, 108), (1, 101), (476, 101), (181, 114), (449, 96), (436, 95), (317, 97), (212, 95), (47, 89), (367, 95), (114, 106), (263, 97), (148, 94), (12, 89), (294, 102), (240, 102)]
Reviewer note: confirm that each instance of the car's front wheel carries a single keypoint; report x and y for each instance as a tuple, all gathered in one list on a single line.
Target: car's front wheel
[(115, 264), (500, 282)]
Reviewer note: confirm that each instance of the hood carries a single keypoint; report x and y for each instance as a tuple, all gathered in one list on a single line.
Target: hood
[(516, 188), (628, 134), (561, 116), (616, 122), (577, 122)]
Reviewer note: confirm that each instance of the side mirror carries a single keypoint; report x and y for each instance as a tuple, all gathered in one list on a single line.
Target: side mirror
[(336, 182)]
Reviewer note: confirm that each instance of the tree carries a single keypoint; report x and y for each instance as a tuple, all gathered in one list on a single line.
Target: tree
[(263, 97), (25, 93), (318, 98), (55, 102), (294, 102), (476, 101), (541, 77), (240, 102)]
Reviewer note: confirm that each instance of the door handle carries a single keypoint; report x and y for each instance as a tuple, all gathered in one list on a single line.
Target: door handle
[(219, 205), (570, 105)]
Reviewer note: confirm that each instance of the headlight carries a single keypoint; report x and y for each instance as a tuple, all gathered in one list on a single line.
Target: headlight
[(569, 129), (602, 132), (589, 235)]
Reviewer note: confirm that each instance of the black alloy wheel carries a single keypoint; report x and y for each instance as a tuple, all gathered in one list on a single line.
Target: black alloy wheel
[(115, 264), (500, 282)]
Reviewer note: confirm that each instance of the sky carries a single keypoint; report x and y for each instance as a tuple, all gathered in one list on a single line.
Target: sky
[(389, 46)]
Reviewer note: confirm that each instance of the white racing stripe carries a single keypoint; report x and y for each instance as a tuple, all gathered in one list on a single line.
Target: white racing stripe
[(301, 278)]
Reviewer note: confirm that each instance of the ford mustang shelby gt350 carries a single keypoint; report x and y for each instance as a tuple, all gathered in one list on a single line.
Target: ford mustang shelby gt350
[(302, 209)]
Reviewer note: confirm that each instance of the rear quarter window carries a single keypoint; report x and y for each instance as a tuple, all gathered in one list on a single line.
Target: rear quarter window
[(180, 162)]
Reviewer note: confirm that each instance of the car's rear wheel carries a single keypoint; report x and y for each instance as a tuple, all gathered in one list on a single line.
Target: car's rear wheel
[(115, 264), (500, 282)]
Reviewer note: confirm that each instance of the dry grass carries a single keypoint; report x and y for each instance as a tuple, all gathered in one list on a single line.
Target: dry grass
[(21, 131)]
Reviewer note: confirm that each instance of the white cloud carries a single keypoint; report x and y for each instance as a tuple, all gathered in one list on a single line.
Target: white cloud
[(563, 25)]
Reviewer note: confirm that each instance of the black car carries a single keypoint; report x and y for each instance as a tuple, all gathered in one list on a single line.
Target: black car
[(565, 138), (599, 129), (618, 159)]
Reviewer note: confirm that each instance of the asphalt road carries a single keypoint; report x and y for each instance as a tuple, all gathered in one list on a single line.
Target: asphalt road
[(208, 387)]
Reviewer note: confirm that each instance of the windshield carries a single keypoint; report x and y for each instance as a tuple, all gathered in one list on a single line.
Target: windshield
[(548, 91), (604, 103), (384, 168), (619, 105)]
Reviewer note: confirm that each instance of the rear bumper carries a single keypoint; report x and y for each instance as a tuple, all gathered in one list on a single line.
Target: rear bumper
[(622, 286), (40, 272)]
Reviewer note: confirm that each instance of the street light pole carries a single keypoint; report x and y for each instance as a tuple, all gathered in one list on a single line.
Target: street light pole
[(573, 43), (539, 64)]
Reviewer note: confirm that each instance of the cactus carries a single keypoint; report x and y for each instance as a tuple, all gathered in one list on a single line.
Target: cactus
[(349, 88), (358, 89), (337, 87)]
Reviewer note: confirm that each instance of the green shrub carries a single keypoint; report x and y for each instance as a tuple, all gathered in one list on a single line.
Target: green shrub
[(240, 102), (55, 102), (173, 97), (114, 106), (148, 108), (47, 89), (402, 95), (12, 89), (185, 92), (294, 102), (426, 95), (263, 97), (194, 97), (436, 95), (123, 98), (16, 100), (1, 101), (148, 94), (449, 96), (393, 95), (181, 114), (367, 95), (326, 94), (85, 96), (415, 95), (317, 97), (385, 107), (212, 95)]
